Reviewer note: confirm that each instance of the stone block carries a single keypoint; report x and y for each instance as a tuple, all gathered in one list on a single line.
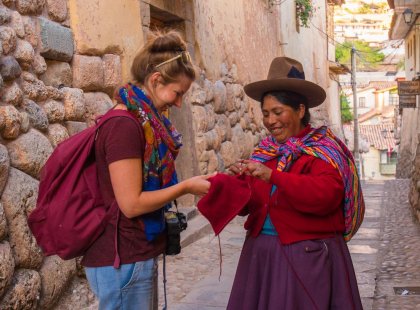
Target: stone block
[(255, 112), (25, 291), (210, 116), (56, 42), (202, 167), (219, 102), (57, 10), (238, 138), (200, 144), (29, 152), (213, 140), (213, 162), (4, 167), (25, 122), (7, 39), (74, 104), (234, 73), (112, 72), (39, 64), (24, 54), (9, 3), (5, 15), (9, 68), (96, 104), (88, 72), (249, 144), (58, 73), (57, 133), (17, 24), (75, 127), (223, 127), (3, 229), (37, 116), (209, 88), (12, 94), (199, 119), (109, 29), (234, 94), (9, 122), (196, 95), (145, 13), (30, 7), (55, 277), (227, 153), (234, 118), (19, 199), (54, 93), (33, 88), (31, 26), (7, 265), (54, 110)]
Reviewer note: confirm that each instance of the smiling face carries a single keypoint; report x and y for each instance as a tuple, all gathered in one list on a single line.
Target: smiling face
[(165, 96), (282, 120)]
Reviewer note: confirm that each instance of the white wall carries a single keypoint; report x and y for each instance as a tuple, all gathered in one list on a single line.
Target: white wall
[(371, 165), (369, 96)]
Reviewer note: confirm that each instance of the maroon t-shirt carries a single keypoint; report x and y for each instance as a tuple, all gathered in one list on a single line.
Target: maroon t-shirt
[(119, 138)]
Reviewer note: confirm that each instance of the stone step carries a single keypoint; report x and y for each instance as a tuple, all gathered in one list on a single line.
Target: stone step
[(198, 226)]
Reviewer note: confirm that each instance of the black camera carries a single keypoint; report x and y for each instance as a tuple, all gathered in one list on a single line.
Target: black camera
[(175, 223)]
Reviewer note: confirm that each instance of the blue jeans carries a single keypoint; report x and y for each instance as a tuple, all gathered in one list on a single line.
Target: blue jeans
[(129, 287)]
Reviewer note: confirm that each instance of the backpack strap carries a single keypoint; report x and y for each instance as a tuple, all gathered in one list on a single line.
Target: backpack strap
[(99, 121)]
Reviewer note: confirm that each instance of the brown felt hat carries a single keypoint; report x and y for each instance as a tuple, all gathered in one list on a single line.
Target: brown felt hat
[(287, 74)]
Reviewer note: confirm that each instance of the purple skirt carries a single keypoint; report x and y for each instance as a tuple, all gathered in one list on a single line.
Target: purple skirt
[(310, 274)]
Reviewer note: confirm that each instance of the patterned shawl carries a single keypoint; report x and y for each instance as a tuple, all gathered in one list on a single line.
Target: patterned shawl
[(321, 143), (162, 146)]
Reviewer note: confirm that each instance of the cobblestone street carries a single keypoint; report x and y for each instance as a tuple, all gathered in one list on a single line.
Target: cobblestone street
[(385, 253), (398, 277)]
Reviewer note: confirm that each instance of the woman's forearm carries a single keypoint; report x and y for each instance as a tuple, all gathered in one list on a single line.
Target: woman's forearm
[(149, 201)]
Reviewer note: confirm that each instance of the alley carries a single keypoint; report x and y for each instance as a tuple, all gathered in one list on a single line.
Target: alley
[(385, 253)]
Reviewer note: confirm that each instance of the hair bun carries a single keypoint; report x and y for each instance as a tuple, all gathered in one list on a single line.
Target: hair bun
[(167, 42)]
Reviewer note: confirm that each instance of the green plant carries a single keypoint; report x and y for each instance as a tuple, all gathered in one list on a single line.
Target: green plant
[(304, 11), (346, 115), (369, 58)]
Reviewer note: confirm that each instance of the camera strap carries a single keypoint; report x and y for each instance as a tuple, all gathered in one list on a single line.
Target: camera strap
[(165, 307)]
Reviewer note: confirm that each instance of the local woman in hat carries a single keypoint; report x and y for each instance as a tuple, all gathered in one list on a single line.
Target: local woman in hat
[(301, 193)]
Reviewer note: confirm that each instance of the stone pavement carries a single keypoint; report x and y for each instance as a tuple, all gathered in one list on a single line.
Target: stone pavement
[(385, 253), (398, 277)]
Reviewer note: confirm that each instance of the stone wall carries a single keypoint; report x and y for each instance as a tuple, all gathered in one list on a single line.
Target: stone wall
[(226, 123), (414, 195), (408, 165), (47, 94)]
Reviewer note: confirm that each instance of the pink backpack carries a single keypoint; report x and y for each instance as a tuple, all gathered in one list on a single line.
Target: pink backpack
[(70, 213)]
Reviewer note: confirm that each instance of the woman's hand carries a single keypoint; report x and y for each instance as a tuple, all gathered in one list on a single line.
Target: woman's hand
[(198, 185), (237, 168), (257, 170)]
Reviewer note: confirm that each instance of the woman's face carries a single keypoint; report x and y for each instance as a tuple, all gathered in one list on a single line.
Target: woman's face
[(165, 96), (282, 120)]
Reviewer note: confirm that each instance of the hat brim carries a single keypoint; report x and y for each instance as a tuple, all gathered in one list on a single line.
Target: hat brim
[(314, 93)]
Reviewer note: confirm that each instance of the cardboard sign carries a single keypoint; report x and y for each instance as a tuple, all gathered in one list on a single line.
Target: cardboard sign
[(407, 101), (409, 87)]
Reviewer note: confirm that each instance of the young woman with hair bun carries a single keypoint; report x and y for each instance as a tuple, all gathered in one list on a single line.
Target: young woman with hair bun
[(136, 170)]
